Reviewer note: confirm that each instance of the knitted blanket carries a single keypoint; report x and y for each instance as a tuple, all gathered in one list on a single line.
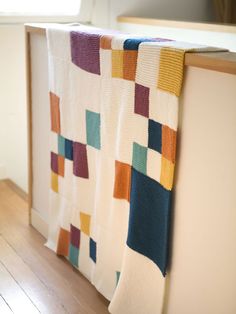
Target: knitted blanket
[(114, 114)]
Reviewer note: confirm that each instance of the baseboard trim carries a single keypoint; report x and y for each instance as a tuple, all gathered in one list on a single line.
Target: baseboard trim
[(12, 185), (39, 223), (2, 172)]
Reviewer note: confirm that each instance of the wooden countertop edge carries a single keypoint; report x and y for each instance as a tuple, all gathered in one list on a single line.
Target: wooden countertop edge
[(217, 61), (40, 30), (225, 28)]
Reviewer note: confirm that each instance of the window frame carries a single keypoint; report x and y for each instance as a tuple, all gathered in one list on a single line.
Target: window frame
[(84, 15), (18, 18)]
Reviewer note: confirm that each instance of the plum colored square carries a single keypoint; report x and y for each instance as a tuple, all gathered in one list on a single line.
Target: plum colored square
[(74, 236), (85, 51), (80, 162), (141, 103)]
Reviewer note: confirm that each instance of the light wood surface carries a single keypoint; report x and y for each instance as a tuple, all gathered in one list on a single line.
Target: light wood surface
[(16, 188), (29, 122), (216, 61), (36, 29), (225, 28), (33, 278), (4, 307)]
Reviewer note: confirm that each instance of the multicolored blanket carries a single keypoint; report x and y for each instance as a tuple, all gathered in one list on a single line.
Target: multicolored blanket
[(114, 115)]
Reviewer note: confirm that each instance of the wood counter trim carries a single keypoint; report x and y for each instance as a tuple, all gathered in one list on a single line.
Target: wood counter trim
[(222, 28), (29, 121), (216, 61), (40, 30)]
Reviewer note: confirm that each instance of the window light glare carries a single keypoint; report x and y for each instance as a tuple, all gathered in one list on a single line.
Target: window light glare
[(39, 7)]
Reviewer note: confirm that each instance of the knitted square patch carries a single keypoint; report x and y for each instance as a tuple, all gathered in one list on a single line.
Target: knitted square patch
[(74, 255), (55, 113), (85, 51), (61, 145), (155, 135), (149, 219), (141, 101), (80, 160), (130, 64), (122, 181), (74, 236), (167, 173), (139, 158), (117, 63), (54, 181), (168, 143), (85, 223), (63, 242), (93, 129), (171, 70), (92, 250)]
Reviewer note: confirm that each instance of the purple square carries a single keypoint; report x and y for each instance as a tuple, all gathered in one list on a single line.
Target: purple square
[(54, 162), (85, 51), (80, 161), (141, 105), (74, 236)]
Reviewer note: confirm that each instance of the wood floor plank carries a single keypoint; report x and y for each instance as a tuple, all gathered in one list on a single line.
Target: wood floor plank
[(38, 293), (73, 290), (14, 295), (4, 308)]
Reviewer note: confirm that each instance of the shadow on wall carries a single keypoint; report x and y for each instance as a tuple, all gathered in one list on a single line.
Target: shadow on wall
[(13, 117)]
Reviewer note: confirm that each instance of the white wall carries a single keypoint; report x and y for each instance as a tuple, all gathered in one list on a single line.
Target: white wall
[(202, 279), (13, 121), (187, 10), (40, 125)]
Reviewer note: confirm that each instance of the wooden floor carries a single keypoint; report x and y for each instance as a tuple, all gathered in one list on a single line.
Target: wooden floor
[(32, 278)]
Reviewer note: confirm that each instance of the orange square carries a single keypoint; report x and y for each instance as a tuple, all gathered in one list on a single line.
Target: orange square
[(168, 143), (122, 181), (61, 165), (130, 64), (105, 42), (63, 242), (55, 113)]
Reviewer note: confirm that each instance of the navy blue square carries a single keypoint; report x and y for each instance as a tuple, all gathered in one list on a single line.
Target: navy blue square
[(68, 149), (154, 135), (149, 219), (93, 250), (133, 43)]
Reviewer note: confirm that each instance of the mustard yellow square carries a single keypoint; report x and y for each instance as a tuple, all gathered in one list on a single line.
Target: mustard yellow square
[(167, 173), (54, 182), (117, 63), (171, 70), (85, 223)]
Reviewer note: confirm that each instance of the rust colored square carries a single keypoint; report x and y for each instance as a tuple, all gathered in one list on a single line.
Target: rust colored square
[(122, 181), (105, 42), (130, 64), (168, 143), (55, 113), (61, 165), (63, 242)]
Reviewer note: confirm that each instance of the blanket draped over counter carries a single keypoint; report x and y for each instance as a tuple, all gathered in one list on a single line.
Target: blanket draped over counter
[(114, 117)]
